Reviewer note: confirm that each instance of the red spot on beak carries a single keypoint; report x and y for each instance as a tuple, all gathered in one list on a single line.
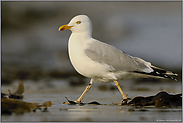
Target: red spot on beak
[(62, 29)]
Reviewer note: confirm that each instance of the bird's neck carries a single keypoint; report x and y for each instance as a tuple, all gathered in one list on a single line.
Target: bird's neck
[(82, 35)]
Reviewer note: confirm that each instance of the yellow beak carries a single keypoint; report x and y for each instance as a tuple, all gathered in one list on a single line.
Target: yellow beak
[(64, 27)]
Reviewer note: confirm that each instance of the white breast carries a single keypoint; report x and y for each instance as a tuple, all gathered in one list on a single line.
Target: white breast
[(84, 65)]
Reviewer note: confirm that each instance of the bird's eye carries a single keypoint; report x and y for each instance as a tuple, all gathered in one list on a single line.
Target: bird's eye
[(78, 22)]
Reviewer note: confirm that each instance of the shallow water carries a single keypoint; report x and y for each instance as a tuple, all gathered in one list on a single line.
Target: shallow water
[(60, 112), (56, 90)]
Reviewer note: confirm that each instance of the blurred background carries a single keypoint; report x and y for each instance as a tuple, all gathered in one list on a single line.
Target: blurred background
[(34, 51), (32, 48)]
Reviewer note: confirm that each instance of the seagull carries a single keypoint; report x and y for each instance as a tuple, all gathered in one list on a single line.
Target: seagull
[(103, 62)]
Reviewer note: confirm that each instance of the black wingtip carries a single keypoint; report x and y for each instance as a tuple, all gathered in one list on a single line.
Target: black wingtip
[(157, 73)]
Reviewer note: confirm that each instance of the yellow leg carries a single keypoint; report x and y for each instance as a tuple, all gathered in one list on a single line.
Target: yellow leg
[(121, 91), (84, 92)]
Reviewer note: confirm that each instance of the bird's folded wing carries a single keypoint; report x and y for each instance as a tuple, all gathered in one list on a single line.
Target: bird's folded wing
[(106, 54)]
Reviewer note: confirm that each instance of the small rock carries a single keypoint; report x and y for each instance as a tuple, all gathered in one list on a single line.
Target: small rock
[(94, 103)]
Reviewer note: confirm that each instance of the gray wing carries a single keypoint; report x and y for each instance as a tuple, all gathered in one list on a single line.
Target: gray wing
[(120, 61)]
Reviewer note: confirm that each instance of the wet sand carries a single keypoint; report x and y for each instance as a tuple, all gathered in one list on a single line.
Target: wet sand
[(56, 90)]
